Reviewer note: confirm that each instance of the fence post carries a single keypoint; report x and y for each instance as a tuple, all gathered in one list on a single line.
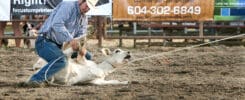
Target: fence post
[(149, 34), (120, 34), (201, 30), (135, 31), (100, 29)]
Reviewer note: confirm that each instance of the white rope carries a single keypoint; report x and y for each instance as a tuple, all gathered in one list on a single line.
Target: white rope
[(46, 72), (186, 48)]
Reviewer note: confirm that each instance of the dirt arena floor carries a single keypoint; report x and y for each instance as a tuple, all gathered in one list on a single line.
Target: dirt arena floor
[(205, 73)]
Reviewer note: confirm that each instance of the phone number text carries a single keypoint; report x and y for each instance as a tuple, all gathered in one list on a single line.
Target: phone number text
[(164, 10)]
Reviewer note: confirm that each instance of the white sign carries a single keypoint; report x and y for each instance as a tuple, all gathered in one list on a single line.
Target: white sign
[(4, 10), (103, 10)]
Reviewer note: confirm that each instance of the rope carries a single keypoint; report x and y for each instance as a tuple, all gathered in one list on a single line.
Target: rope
[(186, 48), (46, 72)]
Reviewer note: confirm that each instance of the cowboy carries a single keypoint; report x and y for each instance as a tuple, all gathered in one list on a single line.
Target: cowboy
[(66, 23)]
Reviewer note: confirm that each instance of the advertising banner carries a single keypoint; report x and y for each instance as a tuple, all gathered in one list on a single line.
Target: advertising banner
[(4, 10), (229, 10), (163, 10), (28, 7), (45, 7)]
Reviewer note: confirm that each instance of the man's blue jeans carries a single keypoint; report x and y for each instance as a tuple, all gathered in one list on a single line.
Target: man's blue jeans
[(52, 53)]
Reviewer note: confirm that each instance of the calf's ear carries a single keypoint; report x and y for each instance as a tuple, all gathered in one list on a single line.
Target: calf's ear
[(106, 51)]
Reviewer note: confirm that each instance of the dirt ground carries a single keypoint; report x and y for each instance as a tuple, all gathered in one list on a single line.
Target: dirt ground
[(204, 73)]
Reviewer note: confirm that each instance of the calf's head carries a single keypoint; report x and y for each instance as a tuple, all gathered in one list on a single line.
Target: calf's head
[(117, 57)]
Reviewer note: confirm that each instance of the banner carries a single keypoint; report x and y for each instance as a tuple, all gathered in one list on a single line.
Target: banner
[(163, 10), (45, 7), (4, 10), (229, 10), (28, 7)]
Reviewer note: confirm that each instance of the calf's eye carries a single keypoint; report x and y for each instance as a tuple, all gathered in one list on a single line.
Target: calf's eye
[(117, 51)]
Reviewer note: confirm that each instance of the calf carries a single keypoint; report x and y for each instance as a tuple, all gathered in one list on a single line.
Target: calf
[(90, 72), (81, 70)]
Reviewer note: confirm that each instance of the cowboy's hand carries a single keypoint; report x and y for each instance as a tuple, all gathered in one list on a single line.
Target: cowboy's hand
[(74, 44), (82, 51)]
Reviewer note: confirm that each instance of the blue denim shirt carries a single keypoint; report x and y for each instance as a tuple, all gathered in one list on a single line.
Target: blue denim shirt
[(65, 23)]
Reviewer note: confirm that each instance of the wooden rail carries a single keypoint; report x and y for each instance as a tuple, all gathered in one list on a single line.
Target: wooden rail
[(173, 37), (17, 37), (170, 37), (27, 20), (189, 26)]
